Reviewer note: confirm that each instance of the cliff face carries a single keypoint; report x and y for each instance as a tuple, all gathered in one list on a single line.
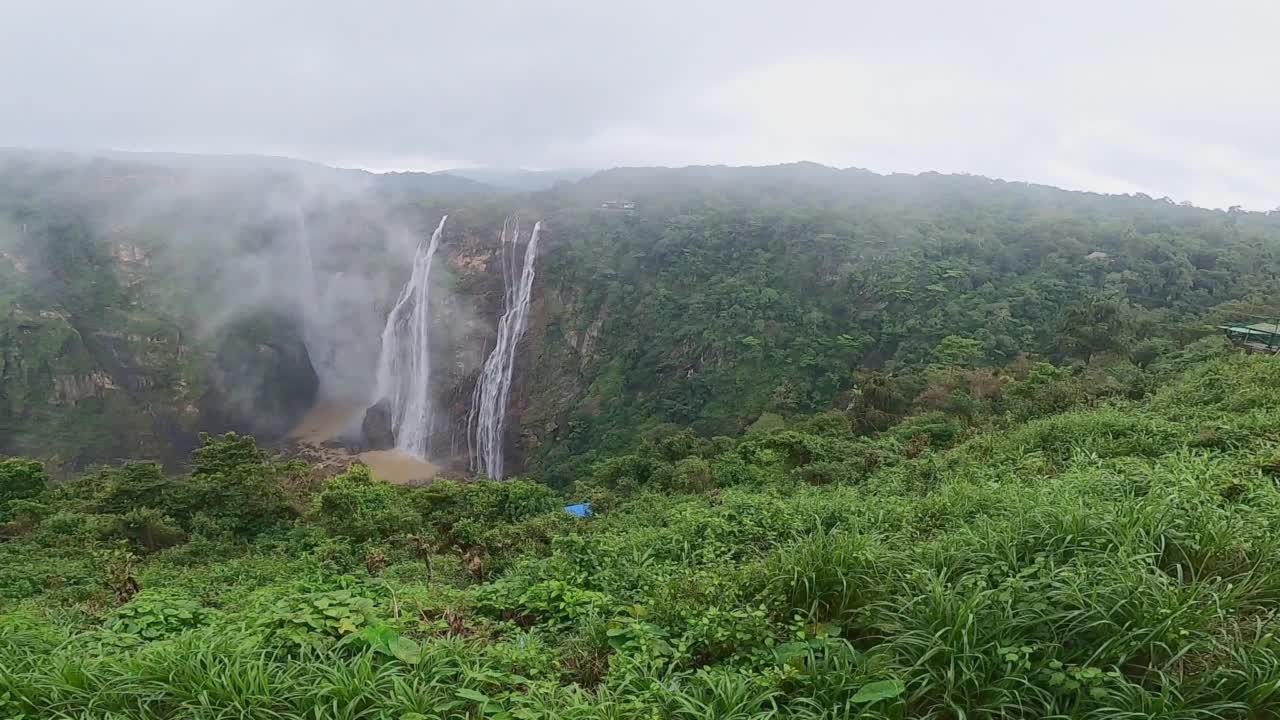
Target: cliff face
[(83, 388), (563, 375), (85, 375), (465, 330), (141, 305), (554, 359), (261, 378), (124, 332)]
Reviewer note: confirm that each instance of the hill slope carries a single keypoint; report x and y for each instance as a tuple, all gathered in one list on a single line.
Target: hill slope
[(1119, 561), (517, 179), (732, 292)]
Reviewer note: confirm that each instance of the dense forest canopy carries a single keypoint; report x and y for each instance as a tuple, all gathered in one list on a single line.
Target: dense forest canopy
[(733, 292), (852, 446)]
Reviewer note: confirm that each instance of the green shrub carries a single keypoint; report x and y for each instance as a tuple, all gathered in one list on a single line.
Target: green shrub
[(831, 424), (829, 473), (692, 474), (356, 506), (939, 430), (732, 469), (154, 614), (766, 423), (148, 529), (133, 485), (233, 488), (630, 472), (68, 527), (19, 480), (317, 619), (553, 601), (1045, 391)]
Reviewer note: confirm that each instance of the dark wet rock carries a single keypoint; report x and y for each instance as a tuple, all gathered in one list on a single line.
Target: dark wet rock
[(262, 380), (376, 428)]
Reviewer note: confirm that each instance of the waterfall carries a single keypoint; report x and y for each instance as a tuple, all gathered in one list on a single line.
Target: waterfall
[(486, 424), (404, 367)]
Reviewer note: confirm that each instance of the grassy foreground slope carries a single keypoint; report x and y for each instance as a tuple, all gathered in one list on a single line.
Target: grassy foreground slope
[(1114, 561)]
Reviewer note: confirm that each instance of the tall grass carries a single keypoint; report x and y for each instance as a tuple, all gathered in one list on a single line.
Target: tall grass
[(1116, 563)]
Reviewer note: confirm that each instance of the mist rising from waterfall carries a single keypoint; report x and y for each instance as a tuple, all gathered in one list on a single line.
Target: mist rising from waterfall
[(324, 301), (486, 424), (404, 367), (306, 289)]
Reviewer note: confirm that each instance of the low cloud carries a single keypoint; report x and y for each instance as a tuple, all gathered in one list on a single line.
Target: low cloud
[(1169, 98)]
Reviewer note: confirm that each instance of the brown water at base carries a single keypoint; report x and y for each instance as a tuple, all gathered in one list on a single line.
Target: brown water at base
[(326, 420), (313, 440), (397, 467)]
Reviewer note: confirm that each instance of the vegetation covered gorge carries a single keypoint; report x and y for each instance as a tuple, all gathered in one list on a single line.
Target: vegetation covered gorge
[(1049, 552), (143, 300)]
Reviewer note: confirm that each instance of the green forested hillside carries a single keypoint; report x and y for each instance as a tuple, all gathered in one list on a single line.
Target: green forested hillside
[(82, 350), (1116, 561), (141, 302), (732, 292)]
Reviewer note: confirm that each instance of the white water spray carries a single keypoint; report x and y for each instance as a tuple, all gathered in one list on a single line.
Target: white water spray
[(404, 367), (486, 424)]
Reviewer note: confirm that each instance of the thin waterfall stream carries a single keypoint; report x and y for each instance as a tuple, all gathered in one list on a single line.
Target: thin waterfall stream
[(486, 423)]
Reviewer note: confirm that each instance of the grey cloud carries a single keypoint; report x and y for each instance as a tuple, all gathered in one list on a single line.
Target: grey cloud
[(1168, 98)]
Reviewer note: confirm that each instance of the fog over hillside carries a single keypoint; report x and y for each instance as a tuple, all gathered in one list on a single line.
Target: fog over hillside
[(1162, 98)]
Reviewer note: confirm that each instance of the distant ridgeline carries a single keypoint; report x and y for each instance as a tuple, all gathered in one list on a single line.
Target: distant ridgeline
[(144, 299)]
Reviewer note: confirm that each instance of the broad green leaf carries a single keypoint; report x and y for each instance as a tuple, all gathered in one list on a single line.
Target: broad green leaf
[(879, 690), (473, 695), (380, 636), (405, 650)]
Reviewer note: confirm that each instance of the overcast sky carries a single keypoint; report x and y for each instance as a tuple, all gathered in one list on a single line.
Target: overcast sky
[(1173, 98)]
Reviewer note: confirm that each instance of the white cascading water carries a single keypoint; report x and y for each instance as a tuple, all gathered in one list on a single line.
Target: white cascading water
[(404, 367), (487, 422)]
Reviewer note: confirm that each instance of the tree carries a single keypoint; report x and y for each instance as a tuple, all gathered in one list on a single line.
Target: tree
[(233, 485), (230, 453), (878, 402), (134, 485), (356, 506), (1096, 325), (956, 351)]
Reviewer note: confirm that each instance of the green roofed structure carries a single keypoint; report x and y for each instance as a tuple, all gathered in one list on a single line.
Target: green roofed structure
[(1258, 337)]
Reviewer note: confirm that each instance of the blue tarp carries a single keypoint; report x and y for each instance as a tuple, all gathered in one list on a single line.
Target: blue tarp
[(580, 510)]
